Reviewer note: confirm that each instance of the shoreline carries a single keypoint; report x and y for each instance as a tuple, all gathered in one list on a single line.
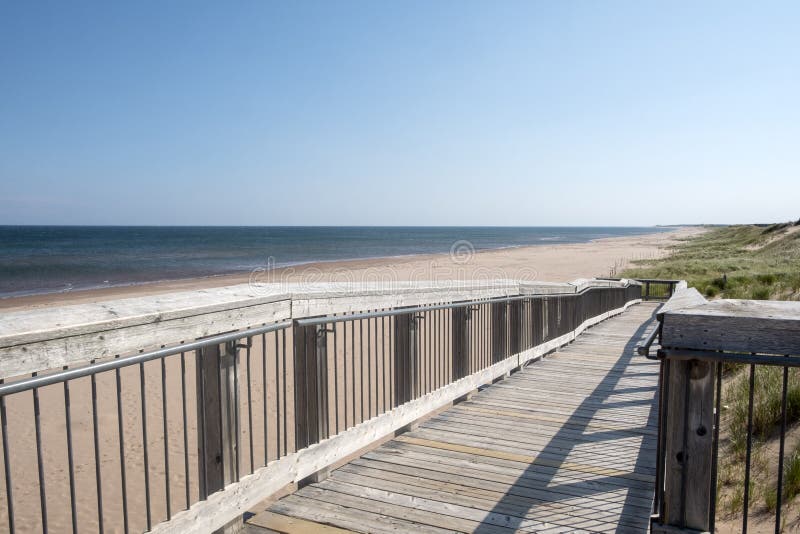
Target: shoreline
[(545, 262)]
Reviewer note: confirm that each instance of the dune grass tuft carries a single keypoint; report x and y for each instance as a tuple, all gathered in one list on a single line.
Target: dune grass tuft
[(766, 404), (744, 262)]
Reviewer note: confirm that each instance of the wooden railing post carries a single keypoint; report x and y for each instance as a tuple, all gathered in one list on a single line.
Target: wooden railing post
[(499, 331), (516, 328), (311, 384), (405, 358), (216, 420), (460, 341), (687, 429), (688, 453)]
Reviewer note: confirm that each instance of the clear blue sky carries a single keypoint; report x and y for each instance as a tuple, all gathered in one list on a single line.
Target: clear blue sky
[(377, 112)]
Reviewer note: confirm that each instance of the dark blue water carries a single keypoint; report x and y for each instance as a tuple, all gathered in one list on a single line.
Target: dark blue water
[(42, 259)]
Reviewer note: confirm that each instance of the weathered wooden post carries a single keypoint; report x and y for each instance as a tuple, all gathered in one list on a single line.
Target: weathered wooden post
[(216, 420), (460, 341), (687, 428), (405, 358), (310, 384), (499, 331), (688, 453), (516, 326)]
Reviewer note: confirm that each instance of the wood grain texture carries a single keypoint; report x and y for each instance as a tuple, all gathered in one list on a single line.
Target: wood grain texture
[(208, 515), (49, 338), (685, 297), (565, 445), (768, 327), (688, 452)]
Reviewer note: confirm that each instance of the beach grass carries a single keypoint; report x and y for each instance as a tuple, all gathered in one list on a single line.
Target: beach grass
[(739, 262), (746, 262), (767, 399)]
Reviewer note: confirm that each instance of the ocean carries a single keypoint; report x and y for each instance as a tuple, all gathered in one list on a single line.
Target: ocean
[(47, 259)]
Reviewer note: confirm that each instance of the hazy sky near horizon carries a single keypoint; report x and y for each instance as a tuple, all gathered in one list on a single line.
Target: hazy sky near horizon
[(399, 113)]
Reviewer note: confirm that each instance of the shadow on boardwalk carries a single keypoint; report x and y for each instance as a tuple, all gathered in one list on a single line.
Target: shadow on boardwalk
[(632, 517), (566, 445)]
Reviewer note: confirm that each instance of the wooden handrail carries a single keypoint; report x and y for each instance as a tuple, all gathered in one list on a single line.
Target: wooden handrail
[(725, 328), (49, 338)]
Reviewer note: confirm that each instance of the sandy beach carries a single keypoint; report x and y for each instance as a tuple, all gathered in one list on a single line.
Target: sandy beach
[(604, 257), (549, 263)]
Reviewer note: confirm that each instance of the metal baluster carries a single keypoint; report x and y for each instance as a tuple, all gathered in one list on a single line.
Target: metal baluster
[(249, 403), (386, 406), (746, 503), (96, 439), (336, 378), (264, 386), (283, 355), (70, 457), (236, 424), (344, 370), (202, 437), (715, 450), (145, 447), (39, 459), (353, 365), (392, 387), (361, 363), (7, 464), (779, 501), (167, 496), (277, 401), (185, 431), (369, 369), (121, 431)]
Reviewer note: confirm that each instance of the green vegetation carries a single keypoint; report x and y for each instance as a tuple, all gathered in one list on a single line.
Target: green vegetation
[(766, 404), (740, 262), (746, 262), (791, 476)]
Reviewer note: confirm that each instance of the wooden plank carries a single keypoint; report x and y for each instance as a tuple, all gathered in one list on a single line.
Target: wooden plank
[(595, 470), (420, 511), (310, 300), (552, 435), (688, 297), (746, 326), (285, 524), (688, 450), (49, 338), (541, 451), (520, 452), (238, 497), (53, 322), (560, 498), (491, 465), (459, 499), (55, 347), (484, 468), (405, 358), (513, 500), (351, 518), (586, 423)]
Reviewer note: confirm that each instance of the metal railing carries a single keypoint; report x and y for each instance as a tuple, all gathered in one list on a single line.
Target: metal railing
[(124, 374), (719, 395), (132, 440), (729, 369), (653, 289)]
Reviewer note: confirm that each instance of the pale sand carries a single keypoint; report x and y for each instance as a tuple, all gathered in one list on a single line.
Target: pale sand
[(543, 263), (549, 263)]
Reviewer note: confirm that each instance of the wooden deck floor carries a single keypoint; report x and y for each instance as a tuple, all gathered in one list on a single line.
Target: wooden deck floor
[(566, 445)]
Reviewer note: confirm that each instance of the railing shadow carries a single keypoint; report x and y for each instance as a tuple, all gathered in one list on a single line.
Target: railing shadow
[(634, 514)]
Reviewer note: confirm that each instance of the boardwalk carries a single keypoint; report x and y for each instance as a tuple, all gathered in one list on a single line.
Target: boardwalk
[(567, 445)]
